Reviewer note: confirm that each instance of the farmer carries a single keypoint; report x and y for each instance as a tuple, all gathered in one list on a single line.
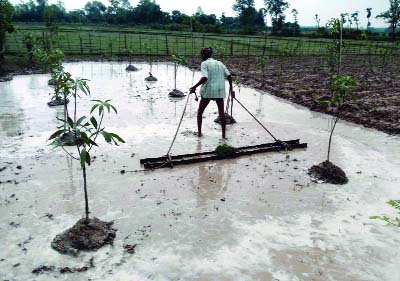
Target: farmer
[(213, 74)]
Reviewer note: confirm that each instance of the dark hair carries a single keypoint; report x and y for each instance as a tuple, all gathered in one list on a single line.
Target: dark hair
[(207, 51)]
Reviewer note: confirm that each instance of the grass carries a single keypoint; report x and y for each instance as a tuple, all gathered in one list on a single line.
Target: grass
[(114, 40)]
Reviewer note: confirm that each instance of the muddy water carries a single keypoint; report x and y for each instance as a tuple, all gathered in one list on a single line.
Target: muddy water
[(253, 218)]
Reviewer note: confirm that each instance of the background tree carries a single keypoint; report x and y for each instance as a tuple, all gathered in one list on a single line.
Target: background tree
[(354, 17), (369, 13), (295, 14), (392, 16), (6, 13), (318, 20), (276, 9), (95, 11)]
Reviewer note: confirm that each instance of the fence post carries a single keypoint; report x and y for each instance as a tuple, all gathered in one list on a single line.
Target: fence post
[(166, 44), (80, 40), (231, 47), (90, 43), (126, 46)]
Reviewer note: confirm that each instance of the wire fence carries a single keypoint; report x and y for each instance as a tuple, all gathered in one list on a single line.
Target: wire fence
[(111, 43)]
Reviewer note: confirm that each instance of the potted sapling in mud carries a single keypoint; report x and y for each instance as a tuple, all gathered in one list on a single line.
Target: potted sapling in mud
[(130, 66), (229, 106), (88, 233), (51, 61), (149, 78), (70, 87), (178, 60), (343, 90)]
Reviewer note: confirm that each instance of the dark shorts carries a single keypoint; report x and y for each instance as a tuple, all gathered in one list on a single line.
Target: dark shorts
[(208, 99)]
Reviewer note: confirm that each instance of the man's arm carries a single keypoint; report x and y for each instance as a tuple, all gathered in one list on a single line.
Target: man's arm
[(201, 82)]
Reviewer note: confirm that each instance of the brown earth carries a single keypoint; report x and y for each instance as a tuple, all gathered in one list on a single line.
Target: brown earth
[(306, 81)]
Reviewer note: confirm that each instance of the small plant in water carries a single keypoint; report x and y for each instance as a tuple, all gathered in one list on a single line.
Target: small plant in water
[(225, 151), (87, 234), (392, 221), (178, 60), (343, 90), (130, 66)]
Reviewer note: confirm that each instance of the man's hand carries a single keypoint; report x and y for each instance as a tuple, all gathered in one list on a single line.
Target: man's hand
[(232, 92), (192, 89)]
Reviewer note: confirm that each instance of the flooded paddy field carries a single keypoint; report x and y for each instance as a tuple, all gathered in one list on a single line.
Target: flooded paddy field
[(252, 218)]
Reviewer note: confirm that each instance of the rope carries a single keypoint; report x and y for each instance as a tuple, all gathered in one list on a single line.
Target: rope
[(257, 120), (177, 130)]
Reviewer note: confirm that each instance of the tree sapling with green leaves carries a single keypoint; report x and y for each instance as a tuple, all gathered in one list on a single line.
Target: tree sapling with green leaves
[(88, 233), (391, 221), (343, 88), (51, 61), (178, 60), (150, 78), (130, 67), (6, 14)]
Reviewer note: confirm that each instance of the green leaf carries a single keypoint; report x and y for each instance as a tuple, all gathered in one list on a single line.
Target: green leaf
[(56, 134), (93, 121), (83, 157), (94, 107), (375, 217), (117, 137), (107, 136), (80, 120), (113, 107), (70, 122)]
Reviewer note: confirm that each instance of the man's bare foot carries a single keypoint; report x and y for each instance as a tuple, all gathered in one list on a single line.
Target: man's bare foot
[(198, 134)]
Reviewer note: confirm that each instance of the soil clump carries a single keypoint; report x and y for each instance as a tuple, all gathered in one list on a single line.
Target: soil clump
[(86, 236), (176, 94), (229, 119), (329, 173), (57, 102), (131, 68)]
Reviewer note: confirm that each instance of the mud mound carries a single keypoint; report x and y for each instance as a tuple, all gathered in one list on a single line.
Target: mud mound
[(151, 78), (229, 119), (84, 236), (131, 68), (57, 102), (176, 94), (69, 139), (225, 151), (329, 173)]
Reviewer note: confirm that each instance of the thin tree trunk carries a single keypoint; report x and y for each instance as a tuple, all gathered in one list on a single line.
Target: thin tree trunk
[(75, 109), (175, 70), (330, 138), (86, 193)]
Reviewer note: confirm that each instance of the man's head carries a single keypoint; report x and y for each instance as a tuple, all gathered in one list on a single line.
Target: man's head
[(206, 53)]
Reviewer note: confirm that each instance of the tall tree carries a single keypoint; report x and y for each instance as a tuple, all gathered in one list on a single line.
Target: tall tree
[(354, 16), (295, 14), (242, 5), (276, 9), (318, 20), (95, 11), (369, 13), (6, 13), (392, 16)]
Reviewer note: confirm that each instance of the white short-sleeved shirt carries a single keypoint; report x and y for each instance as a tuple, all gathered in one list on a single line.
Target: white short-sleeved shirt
[(216, 72)]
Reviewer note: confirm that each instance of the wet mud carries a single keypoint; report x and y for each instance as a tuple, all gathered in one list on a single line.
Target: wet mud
[(257, 217), (84, 236), (229, 120), (329, 173), (57, 102)]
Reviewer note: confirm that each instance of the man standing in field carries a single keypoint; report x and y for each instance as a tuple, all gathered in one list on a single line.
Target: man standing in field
[(213, 74)]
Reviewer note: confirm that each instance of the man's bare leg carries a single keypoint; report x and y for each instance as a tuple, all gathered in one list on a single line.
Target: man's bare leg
[(220, 104), (202, 106)]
